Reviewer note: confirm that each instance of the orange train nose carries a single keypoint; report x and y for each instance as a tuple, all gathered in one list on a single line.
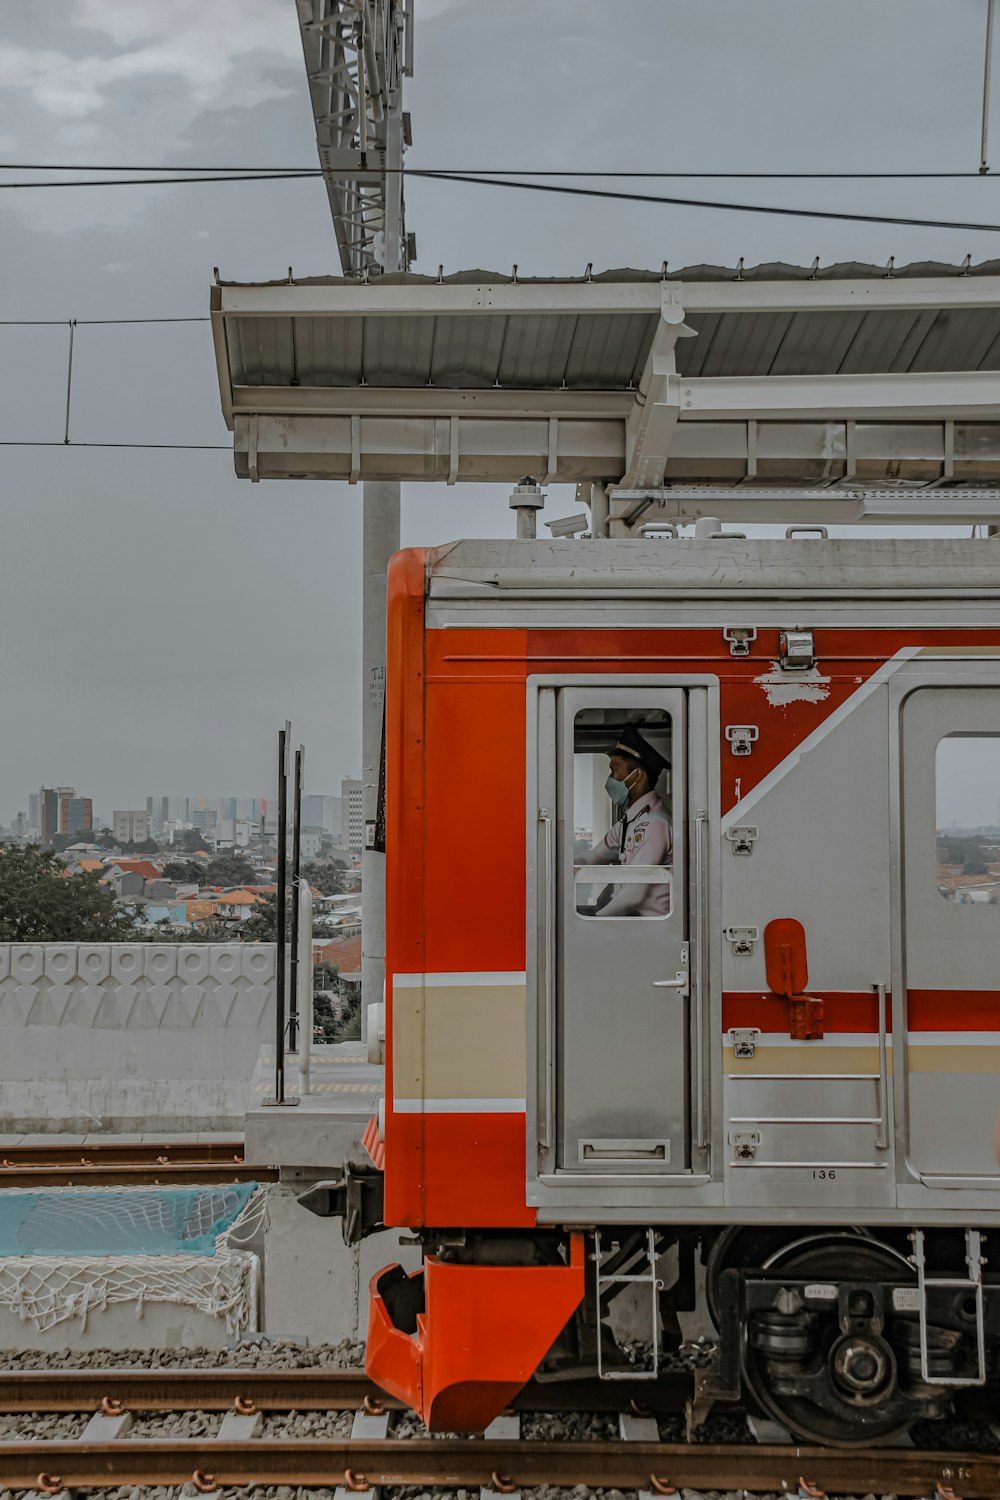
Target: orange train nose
[(456, 1342)]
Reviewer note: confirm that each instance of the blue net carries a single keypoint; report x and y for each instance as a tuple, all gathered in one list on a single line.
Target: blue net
[(115, 1221)]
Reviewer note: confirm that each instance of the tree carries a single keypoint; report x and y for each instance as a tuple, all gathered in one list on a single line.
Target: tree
[(230, 869), (189, 839), (324, 875), (184, 871), (40, 903)]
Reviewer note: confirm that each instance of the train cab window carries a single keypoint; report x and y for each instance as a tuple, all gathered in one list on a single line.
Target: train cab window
[(967, 820), (622, 813)]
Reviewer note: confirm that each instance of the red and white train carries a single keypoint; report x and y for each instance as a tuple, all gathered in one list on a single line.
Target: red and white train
[(775, 1086)]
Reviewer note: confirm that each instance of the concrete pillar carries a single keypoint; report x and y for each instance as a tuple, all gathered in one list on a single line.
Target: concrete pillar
[(598, 511), (380, 541)]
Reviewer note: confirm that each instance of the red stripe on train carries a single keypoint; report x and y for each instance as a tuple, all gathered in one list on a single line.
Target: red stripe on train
[(927, 1010)]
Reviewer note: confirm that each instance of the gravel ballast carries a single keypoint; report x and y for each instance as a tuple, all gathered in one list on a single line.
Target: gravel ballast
[(251, 1354)]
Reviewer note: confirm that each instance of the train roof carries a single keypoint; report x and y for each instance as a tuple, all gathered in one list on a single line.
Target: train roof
[(782, 569)]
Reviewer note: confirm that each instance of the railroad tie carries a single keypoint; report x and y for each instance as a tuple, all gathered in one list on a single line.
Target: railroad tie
[(370, 1424), (507, 1429), (640, 1427), (241, 1423), (106, 1425)]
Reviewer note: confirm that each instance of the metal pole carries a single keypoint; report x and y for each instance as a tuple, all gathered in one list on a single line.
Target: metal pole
[(279, 1018), (983, 150), (293, 983), (69, 378), (598, 511), (381, 539)]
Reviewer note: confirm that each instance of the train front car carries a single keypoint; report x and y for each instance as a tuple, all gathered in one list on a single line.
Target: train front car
[(692, 923)]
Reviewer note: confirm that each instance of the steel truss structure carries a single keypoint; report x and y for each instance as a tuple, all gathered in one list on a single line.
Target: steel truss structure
[(656, 388), (357, 53)]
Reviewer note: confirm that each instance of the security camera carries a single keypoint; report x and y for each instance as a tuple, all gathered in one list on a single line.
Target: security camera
[(569, 525)]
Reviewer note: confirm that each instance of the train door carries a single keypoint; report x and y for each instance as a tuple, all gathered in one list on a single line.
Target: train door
[(626, 1042), (951, 930)]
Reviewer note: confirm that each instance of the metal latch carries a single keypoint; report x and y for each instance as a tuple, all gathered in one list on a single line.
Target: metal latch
[(742, 939), (742, 838), (741, 736), (796, 651), (739, 638), (745, 1143), (743, 1040)]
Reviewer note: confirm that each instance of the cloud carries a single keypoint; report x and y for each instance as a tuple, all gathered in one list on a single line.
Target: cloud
[(205, 47)]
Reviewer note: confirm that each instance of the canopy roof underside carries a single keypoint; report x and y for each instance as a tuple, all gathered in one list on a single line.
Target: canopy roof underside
[(776, 375)]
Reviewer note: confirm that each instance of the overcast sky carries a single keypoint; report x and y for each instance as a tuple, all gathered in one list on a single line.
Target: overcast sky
[(159, 618)]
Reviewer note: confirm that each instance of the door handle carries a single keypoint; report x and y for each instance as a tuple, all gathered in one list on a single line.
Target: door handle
[(681, 982)]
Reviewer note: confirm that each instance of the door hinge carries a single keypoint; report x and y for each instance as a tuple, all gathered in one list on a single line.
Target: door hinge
[(742, 939), (739, 638), (744, 1144), (742, 839), (743, 1040), (741, 738)]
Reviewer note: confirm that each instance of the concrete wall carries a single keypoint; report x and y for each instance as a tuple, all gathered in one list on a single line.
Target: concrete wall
[(131, 1036)]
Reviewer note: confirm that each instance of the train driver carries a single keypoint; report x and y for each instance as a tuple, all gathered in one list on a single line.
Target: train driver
[(642, 834)]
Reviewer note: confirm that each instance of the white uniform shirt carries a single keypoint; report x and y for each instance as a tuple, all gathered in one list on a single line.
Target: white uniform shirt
[(645, 839)]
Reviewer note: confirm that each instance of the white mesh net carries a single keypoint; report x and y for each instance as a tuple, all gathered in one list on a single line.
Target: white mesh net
[(46, 1289)]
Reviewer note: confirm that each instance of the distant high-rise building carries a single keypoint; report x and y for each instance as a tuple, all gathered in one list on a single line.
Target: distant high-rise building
[(130, 827), (76, 815), (34, 814), (321, 812), (352, 814), (203, 818), (54, 811)]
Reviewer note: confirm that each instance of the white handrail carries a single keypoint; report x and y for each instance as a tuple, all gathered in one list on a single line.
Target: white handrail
[(305, 995)]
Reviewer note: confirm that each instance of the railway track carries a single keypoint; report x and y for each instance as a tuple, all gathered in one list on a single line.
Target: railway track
[(197, 1389), (105, 1455), (139, 1164), (46, 1466)]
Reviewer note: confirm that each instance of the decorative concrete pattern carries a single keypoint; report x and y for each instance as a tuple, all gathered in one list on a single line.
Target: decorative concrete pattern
[(136, 986), (131, 1036)]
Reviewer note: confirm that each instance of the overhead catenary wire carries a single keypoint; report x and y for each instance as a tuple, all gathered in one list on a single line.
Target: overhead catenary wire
[(720, 174), (749, 208), (95, 322), (606, 194), (73, 443)]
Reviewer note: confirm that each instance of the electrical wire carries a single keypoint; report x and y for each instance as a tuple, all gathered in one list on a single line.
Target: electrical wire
[(605, 194), (88, 182), (58, 443), (93, 322), (764, 176), (747, 208)]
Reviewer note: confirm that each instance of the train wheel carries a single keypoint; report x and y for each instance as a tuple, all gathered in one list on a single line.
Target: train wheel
[(826, 1386)]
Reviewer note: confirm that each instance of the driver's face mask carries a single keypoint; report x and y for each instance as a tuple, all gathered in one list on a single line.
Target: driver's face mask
[(618, 790)]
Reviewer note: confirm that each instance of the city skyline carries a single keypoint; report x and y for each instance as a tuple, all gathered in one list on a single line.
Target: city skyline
[(238, 806)]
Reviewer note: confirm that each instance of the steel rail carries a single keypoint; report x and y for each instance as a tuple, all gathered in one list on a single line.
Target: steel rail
[(121, 1153), (211, 1463), (96, 1174), (148, 1163), (131, 1389)]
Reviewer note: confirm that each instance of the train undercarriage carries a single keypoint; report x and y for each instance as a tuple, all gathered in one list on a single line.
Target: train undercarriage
[(844, 1337)]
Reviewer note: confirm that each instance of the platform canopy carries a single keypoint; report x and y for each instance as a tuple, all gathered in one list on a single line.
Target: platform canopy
[(777, 378)]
